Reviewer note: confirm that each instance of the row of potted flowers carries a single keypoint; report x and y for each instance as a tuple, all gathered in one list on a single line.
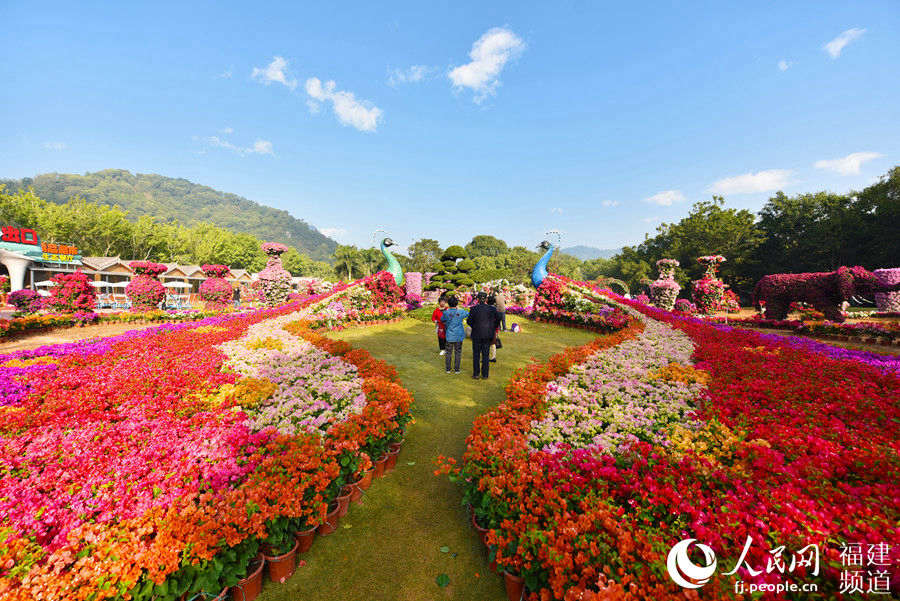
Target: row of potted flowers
[(787, 447), (136, 467)]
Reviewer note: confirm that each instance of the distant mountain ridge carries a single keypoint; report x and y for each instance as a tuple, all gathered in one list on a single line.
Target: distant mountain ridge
[(175, 199), (587, 253)]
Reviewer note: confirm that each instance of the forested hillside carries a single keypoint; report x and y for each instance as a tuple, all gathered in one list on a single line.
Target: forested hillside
[(178, 200)]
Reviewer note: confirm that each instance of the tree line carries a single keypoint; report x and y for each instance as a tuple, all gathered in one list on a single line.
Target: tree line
[(102, 230)]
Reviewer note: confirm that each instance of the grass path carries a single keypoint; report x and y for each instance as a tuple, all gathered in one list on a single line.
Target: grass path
[(388, 547)]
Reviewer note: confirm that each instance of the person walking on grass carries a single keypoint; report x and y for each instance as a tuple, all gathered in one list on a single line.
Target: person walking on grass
[(484, 321), (455, 332), (495, 343), (441, 328), (501, 309)]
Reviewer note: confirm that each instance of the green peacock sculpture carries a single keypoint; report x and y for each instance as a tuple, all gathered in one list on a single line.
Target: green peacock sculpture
[(393, 265)]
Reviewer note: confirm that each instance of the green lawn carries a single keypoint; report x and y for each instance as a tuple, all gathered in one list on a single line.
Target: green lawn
[(388, 547)]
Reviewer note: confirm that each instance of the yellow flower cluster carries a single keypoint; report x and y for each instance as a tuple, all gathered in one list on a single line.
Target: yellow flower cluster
[(272, 344), (208, 329), (714, 442), (762, 350), (30, 362), (246, 392), (677, 372)]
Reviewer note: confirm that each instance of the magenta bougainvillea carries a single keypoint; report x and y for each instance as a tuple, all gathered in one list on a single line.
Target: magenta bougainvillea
[(274, 282), (414, 283), (72, 292), (708, 294), (26, 301), (215, 291), (825, 291), (145, 291)]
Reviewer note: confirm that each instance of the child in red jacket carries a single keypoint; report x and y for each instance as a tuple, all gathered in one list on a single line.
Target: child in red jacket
[(441, 328)]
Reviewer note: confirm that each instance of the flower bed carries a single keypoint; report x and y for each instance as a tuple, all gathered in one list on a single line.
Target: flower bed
[(566, 302), (375, 298), (32, 323), (786, 446), (889, 330), (138, 464)]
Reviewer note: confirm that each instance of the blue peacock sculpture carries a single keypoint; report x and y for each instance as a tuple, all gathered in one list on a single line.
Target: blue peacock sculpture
[(540, 268)]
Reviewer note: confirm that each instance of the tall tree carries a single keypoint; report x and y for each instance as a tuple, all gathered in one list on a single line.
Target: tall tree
[(346, 259), (424, 255)]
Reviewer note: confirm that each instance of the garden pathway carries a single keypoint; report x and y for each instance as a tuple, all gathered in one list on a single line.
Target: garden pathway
[(389, 546)]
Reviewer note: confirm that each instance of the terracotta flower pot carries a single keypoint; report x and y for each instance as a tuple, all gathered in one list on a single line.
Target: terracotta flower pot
[(305, 539), (515, 587), (366, 481), (391, 462), (331, 520), (343, 501), (354, 490), (379, 465), (249, 587), (482, 532), (281, 567)]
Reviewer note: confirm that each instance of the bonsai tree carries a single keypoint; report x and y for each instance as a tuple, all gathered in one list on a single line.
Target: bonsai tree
[(215, 291), (146, 291), (72, 292), (453, 274)]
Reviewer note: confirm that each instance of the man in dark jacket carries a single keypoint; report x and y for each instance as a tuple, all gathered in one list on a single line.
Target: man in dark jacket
[(484, 320)]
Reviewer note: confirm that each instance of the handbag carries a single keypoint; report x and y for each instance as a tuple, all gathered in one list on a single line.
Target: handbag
[(497, 342)]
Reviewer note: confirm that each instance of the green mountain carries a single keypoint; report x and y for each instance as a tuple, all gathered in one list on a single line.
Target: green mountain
[(168, 199), (586, 253)]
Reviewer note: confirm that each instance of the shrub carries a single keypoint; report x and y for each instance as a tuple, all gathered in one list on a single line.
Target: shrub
[(215, 290), (72, 292), (274, 281), (145, 291)]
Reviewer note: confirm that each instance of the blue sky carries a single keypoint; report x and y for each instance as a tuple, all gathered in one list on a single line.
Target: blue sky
[(448, 120)]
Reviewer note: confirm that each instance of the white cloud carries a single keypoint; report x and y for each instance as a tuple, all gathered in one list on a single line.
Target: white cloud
[(610, 203), (332, 232), (364, 116), (761, 181), (54, 145), (784, 65), (836, 46), (259, 147), (226, 74), (413, 74), (651, 219), (556, 210), (848, 165), (489, 55), (227, 130), (665, 198), (276, 71)]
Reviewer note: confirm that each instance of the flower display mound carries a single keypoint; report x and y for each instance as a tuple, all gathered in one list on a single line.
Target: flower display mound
[(215, 291), (145, 291), (561, 300), (155, 463), (274, 282), (373, 298), (604, 457), (824, 291), (888, 302), (72, 292)]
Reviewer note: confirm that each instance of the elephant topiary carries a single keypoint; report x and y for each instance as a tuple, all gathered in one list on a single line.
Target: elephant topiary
[(825, 291)]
